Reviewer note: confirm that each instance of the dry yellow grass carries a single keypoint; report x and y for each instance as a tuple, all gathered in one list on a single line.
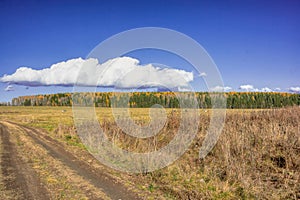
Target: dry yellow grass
[(256, 157)]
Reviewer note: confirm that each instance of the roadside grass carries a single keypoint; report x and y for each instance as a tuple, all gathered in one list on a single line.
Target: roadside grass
[(256, 157)]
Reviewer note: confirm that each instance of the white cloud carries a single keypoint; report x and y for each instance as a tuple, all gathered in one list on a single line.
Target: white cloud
[(9, 88), (121, 72), (277, 89), (221, 89), (183, 89), (202, 74), (266, 89), (251, 88), (294, 89), (247, 87)]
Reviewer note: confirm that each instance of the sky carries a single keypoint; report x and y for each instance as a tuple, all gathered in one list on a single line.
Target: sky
[(254, 44)]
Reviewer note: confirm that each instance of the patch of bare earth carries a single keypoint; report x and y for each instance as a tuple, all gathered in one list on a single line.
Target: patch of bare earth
[(18, 179), (63, 174)]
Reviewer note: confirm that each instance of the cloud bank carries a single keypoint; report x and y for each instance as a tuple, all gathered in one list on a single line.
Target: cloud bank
[(266, 89), (247, 87), (221, 89), (277, 89), (251, 88), (294, 89), (121, 72)]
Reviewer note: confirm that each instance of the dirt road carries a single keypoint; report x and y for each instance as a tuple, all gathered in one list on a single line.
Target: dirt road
[(36, 166)]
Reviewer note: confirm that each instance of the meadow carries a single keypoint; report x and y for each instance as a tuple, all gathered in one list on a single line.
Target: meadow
[(256, 157)]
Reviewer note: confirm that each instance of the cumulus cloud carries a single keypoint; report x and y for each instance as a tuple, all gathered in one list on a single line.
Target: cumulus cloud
[(251, 88), (9, 88), (121, 72), (294, 89), (221, 89), (182, 89), (266, 89), (62, 73), (247, 87)]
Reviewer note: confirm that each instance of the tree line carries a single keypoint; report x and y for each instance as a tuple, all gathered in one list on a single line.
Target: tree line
[(234, 100)]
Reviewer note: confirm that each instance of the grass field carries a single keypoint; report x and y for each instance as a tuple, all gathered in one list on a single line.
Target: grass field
[(256, 157)]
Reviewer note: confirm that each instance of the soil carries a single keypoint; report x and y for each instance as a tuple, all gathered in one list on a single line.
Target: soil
[(17, 176), (20, 181)]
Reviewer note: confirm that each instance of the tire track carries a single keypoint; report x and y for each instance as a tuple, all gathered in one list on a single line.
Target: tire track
[(19, 179), (112, 188)]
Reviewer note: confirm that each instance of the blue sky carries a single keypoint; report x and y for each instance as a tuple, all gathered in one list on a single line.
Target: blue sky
[(251, 42)]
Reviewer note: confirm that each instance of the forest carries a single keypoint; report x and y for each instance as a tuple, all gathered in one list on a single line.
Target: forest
[(234, 100)]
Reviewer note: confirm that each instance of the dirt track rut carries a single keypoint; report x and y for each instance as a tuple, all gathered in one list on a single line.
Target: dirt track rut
[(22, 180), (18, 178)]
